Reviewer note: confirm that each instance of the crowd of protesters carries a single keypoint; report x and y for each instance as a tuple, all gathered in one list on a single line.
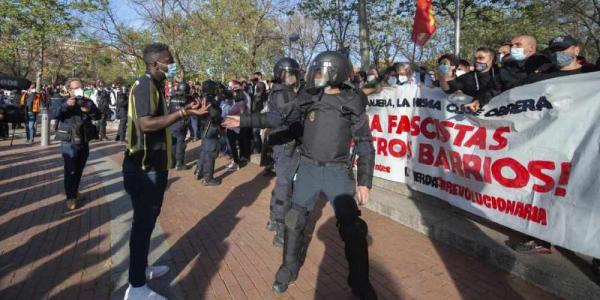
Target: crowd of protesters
[(491, 72)]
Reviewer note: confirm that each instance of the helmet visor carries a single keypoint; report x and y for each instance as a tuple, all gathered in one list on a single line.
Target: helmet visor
[(320, 75)]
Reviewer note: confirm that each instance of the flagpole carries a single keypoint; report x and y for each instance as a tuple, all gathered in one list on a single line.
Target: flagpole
[(457, 29), (414, 51)]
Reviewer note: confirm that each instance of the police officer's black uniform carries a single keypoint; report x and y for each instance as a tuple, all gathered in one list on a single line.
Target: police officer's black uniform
[(179, 129), (122, 106), (209, 149), (103, 100), (331, 121), (284, 138)]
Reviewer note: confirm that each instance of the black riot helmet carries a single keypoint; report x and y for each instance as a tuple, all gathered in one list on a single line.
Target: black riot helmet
[(329, 68), (183, 88), (286, 67)]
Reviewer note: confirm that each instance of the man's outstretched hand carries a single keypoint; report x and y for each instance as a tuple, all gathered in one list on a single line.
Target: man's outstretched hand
[(197, 108), (231, 122)]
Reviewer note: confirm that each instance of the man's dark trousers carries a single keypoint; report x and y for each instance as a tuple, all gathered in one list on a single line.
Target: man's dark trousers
[(75, 157), (146, 190)]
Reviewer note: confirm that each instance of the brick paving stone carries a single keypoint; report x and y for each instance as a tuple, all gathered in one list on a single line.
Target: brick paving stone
[(218, 245)]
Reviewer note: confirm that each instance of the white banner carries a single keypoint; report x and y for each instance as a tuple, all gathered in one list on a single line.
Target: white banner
[(526, 161)]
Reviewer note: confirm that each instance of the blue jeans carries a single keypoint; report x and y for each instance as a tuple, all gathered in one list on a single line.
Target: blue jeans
[(146, 190), (75, 157), (31, 120)]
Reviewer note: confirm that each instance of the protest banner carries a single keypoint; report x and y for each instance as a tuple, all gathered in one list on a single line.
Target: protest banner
[(526, 160)]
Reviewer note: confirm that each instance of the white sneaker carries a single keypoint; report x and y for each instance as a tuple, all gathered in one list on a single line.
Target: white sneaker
[(233, 167), (142, 292), (156, 271)]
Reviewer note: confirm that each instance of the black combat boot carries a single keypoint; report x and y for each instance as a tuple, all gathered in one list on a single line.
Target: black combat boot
[(354, 233), (295, 222)]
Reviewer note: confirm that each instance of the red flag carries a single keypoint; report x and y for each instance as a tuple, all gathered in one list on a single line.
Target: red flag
[(424, 25)]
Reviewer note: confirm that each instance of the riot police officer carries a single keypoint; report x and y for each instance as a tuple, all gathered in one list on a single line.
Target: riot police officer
[(178, 130), (103, 103), (211, 133), (122, 106), (332, 116), (284, 139)]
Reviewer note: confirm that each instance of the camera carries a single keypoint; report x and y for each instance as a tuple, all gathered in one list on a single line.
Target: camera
[(12, 114), (80, 101)]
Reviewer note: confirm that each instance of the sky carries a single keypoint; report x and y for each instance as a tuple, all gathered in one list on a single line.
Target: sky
[(127, 14)]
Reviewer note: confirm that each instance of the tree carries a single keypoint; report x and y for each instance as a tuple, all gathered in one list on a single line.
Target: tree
[(30, 28)]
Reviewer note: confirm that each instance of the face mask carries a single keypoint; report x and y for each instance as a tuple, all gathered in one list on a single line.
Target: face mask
[(517, 54), (320, 82), (402, 79), (499, 58), (480, 67), (562, 59), (171, 71), (460, 73), (391, 80), (444, 68), (371, 78), (78, 93)]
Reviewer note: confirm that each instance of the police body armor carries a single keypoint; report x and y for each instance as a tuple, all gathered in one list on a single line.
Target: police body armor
[(176, 103)]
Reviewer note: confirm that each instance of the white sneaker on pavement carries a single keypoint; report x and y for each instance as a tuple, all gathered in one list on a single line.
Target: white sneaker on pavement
[(142, 292), (156, 271)]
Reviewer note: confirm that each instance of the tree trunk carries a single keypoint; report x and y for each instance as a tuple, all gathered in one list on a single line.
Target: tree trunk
[(363, 34)]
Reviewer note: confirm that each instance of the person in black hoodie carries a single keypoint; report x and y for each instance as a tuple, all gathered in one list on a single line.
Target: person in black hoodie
[(75, 131), (481, 84)]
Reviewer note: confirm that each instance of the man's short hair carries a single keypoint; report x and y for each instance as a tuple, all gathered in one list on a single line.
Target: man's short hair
[(151, 51), (71, 80), (488, 50), (450, 57), (464, 62)]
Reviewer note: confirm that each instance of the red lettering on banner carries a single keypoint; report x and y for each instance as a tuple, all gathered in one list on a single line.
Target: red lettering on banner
[(381, 147), (542, 216), (456, 163), (565, 171), (462, 131), (515, 208), (477, 139), (521, 175), (443, 133), (487, 174), (414, 125), (425, 154), (535, 168), (404, 125), (428, 134), (471, 166), (392, 148), (376, 124), (499, 138), (391, 122), (442, 160)]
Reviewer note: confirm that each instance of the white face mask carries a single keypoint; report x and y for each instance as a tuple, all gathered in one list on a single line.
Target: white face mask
[(460, 73), (371, 78), (402, 79), (78, 92)]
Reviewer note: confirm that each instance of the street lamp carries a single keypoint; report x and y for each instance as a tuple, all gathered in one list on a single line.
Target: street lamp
[(292, 37)]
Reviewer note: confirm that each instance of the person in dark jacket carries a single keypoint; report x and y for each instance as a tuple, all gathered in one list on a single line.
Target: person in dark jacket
[(75, 131), (333, 115), (122, 106), (523, 62)]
